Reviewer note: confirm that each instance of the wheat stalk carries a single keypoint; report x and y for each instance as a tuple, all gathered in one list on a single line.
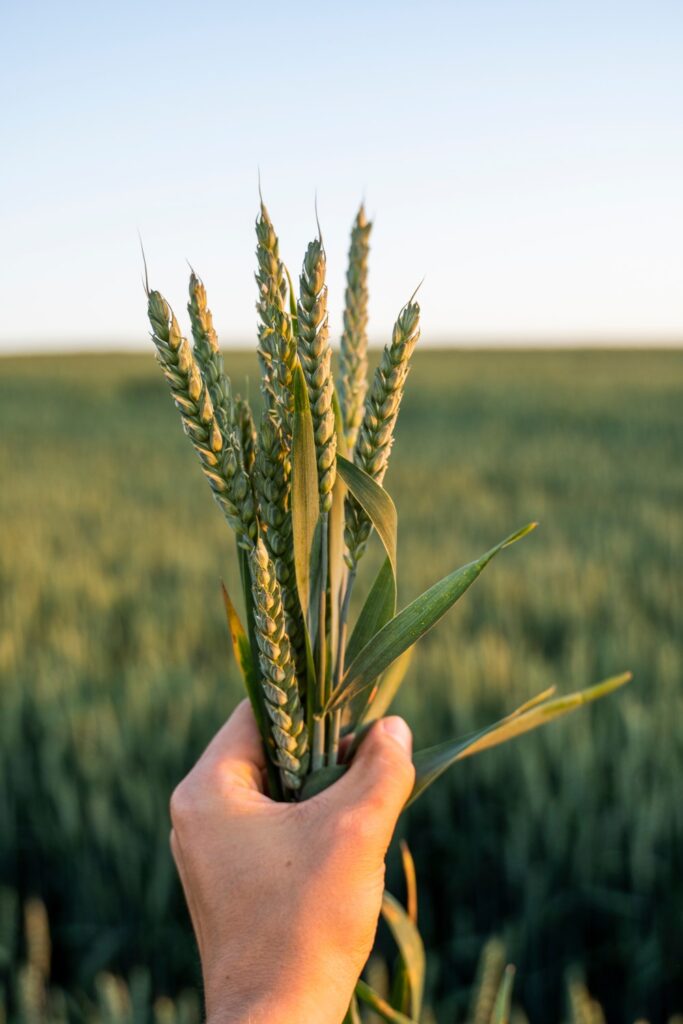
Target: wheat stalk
[(376, 434), (316, 357), (208, 354), (219, 455), (280, 690), (272, 480), (353, 358)]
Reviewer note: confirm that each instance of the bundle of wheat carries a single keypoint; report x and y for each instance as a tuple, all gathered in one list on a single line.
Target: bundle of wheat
[(303, 514)]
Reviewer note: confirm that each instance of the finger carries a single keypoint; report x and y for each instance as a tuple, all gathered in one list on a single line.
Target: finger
[(381, 775), (237, 745)]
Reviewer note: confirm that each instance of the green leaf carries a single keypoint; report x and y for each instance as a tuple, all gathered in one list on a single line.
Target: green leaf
[(410, 876), (411, 948), (386, 689), (376, 502), (433, 762), (379, 608), (380, 1006), (317, 781), (305, 500), (242, 651), (353, 1013), (315, 578), (501, 1007), (411, 623)]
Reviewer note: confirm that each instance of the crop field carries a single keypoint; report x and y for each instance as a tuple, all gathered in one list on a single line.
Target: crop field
[(115, 666)]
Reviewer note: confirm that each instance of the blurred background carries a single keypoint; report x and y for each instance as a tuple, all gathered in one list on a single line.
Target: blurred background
[(525, 159)]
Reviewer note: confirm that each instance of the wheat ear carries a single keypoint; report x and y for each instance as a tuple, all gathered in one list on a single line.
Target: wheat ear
[(246, 427), (208, 354), (376, 434), (283, 367), (353, 355), (272, 292), (316, 357), (272, 480), (221, 460), (278, 676)]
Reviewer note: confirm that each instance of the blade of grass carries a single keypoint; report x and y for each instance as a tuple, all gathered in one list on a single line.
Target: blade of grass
[(376, 502), (411, 948), (387, 687), (433, 762), (501, 1007), (379, 608), (412, 623), (380, 1006)]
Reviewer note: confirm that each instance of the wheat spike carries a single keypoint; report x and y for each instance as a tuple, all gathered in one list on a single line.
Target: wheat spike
[(489, 972), (247, 431), (353, 355), (281, 693), (285, 360), (272, 479), (37, 933), (208, 354), (220, 455), (376, 434), (272, 292), (316, 357)]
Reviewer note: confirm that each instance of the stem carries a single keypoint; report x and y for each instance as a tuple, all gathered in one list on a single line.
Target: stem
[(335, 726), (322, 615), (318, 745)]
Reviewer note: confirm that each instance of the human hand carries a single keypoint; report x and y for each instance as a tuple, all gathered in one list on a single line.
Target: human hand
[(285, 897)]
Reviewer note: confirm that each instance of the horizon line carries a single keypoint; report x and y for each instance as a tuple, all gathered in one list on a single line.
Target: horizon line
[(519, 343)]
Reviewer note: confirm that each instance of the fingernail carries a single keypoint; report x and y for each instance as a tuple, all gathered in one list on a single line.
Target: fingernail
[(399, 731)]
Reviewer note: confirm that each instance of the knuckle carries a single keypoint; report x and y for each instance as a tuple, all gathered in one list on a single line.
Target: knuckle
[(180, 804), (393, 763)]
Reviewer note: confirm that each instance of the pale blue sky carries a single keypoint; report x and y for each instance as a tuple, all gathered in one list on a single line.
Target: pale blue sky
[(526, 157)]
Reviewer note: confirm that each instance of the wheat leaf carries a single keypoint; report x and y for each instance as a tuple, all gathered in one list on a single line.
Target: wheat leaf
[(240, 644), (378, 609), (353, 1013), (376, 502), (386, 689), (380, 1006), (501, 1007), (319, 780), (433, 762), (411, 623), (411, 948)]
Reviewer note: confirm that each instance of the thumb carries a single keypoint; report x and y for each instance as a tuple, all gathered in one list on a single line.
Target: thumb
[(381, 776)]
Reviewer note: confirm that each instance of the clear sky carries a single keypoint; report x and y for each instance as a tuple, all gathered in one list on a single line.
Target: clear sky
[(525, 157)]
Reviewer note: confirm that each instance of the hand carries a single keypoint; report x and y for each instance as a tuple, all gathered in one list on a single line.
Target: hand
[(285, 897)]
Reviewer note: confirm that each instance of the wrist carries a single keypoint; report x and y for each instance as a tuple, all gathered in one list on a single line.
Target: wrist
[(278, 1007)]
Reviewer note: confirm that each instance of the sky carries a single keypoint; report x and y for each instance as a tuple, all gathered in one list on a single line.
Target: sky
[(524, 158)]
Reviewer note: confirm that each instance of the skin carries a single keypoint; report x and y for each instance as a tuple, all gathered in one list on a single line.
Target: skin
[(285, 897)]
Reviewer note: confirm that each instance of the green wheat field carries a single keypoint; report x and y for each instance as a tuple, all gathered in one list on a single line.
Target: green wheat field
[(115, 667)]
